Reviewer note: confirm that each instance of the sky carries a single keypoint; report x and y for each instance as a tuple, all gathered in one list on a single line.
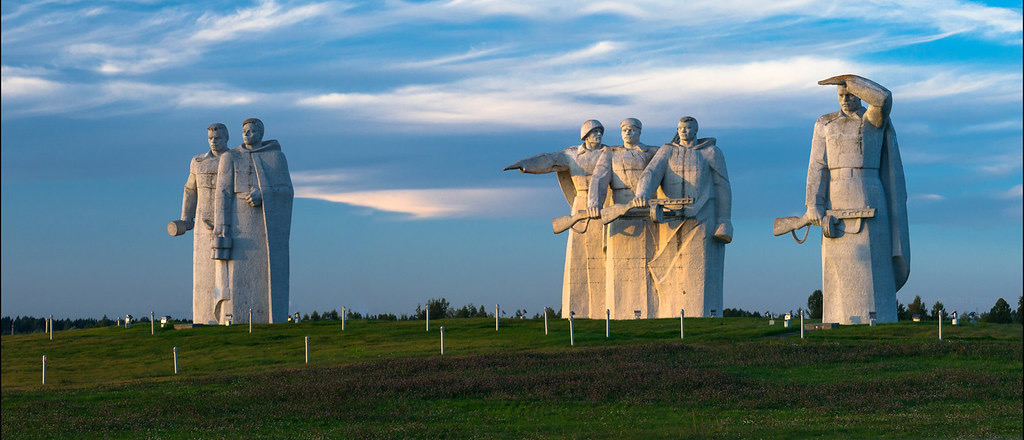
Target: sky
[(397, 118)]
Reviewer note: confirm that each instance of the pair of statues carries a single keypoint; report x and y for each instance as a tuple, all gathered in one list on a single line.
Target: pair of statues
[(649, 223), (659, 246), (239, 204)]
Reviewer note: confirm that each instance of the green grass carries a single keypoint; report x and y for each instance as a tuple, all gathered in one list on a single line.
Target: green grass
[(732, 377)]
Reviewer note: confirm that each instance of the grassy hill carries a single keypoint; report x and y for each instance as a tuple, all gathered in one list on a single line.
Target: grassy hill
[(731, 377)]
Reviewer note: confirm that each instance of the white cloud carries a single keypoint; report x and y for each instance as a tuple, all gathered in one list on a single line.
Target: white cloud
[(18, 84), (931, 197), (423, 204), (265, 17), (1016, 192)]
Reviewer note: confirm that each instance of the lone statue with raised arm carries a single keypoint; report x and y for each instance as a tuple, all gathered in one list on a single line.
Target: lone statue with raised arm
[(857, 194)]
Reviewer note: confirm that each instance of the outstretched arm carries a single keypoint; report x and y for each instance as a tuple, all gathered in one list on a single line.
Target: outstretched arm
[(879, 98), (542, 163)]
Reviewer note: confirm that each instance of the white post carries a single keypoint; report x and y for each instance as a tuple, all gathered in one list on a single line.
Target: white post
[(442, 340), (175, 360), (51, 327), (495, 317), (607, 322), (428, 318), (572, 335), (307, 349), (344, 311), (801, 325), (44, 369), (46, 326), (250, 320), (545, 322), (152, 324), (940, 325), (682, 323)]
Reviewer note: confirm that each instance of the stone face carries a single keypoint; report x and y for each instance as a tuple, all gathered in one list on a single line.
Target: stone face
[(253, 210), (857, 192), (584, 276), (197, 215), (688, 267)]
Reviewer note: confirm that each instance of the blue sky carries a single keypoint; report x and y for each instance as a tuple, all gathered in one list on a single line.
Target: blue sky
[(398, 117)]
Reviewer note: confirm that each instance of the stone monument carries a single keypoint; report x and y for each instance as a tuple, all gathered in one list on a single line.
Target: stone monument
[(631, 239), (197, 215), (252, 218), (857, 194), (688, 267), (584, 278)]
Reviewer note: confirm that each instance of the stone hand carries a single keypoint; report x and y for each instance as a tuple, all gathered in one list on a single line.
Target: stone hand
[(639, 202), (594, 212), (723, 233), (814, 215), (518, 165), (254, 198), (838, 80)]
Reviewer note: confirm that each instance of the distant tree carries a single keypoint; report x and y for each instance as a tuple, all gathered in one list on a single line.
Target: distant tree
[(1020, 310), (315, 316), (332, 315), (814, 304), (439, 308), (938, 309), (739, 313), (901, 312), (1000, 313), (305, 317), (917, 307)]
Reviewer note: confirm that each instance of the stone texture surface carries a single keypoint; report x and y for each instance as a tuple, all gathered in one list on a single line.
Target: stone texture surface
[(197, 215), (855, 164), (688, 268), (584, 277), (631, 240), (253, 207)]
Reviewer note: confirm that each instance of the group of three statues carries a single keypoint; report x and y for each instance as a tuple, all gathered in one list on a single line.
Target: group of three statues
[(239, 203), (655, 244)]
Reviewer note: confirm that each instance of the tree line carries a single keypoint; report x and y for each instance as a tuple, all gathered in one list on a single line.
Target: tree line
[(1000, 313), (440, 308)]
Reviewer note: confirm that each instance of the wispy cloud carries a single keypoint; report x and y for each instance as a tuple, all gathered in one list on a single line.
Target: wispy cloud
[(425, 204), (1014, 193)]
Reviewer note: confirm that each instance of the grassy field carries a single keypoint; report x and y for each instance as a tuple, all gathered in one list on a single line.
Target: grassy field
[(732, 377)]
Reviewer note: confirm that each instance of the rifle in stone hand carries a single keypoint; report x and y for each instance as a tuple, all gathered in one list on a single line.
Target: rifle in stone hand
[(659, 209), (563, 223), (830, 224)]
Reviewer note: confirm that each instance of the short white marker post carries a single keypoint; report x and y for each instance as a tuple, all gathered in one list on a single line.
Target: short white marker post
[(44, 369), (545, 322), (682, 323), (344, 311), (428, 318), (495, 317), (801, 325), (940, 325), (442, 340), (51, 327), (307, 349), (572, 334), (152, 324), (250, 320), (607, 323), (46, 326), (175, 360)]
